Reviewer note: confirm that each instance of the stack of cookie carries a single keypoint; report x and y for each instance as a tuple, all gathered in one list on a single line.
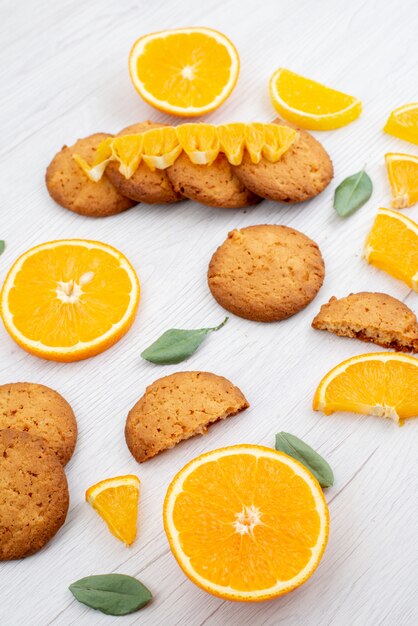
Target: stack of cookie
[(38, 433), (301, 173)]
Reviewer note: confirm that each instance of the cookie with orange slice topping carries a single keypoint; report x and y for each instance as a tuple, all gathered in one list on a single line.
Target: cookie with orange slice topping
[(144, 185), (70, 187), (302, 172)]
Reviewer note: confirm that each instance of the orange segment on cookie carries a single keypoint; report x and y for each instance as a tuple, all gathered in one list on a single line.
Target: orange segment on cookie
[(70, 299), (200, 142), (246, 522), (116, 501)]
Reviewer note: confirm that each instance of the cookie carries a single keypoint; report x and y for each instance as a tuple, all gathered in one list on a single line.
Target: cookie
[(144, 185), (33, 494), (266, 273), (371, 317), (300, 174), (68, 185), (178, 407), (214, 185), (41, 412)]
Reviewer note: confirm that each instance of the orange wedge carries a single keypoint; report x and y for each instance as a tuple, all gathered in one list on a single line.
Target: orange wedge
[(382, 383), (127, 149), (116, 501), (104, 154), (403, 177), (232, 141), (71, 299), (277, 140), (246, 522), (160, 147), (310, 104), (403, 122), (392, 246), (186, 71), (200, 142)]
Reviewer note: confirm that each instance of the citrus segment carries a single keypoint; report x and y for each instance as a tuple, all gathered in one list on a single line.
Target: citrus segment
[(232, 141), (255, 137), (403, 122), (277, 140), (246, 522), (70, 299), (403, 177), (310, 104), (382, 384), (160, 147), (186, 72), (102, 157), (200, 142), (392, 246), (116, 501), (127, 150)]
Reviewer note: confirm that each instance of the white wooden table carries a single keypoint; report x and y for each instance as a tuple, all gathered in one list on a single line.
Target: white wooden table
[(64, 75)]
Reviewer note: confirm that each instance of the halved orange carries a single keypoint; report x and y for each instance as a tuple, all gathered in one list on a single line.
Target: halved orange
[(310, 104), (384, 384), (246, 522), (116, 501), (185, 71), (403, 177), (392, 246), (70, 299), (403, 122)]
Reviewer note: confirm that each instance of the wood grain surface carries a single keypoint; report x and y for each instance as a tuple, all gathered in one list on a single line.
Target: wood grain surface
[(64, 75)]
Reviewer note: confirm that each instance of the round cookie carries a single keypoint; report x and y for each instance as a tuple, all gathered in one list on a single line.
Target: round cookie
[(266, 273), (68, 185), (33, 494), (177, 407), (301, 173), (41, 412), (144, 185), (214, 185)]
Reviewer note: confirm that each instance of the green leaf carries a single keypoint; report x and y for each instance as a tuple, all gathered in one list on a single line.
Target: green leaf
[(113, 594), (176, 345), (352, 193), (299, 450), (2, 246)]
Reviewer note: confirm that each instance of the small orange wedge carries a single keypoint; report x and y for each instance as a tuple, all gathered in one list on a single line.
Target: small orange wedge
[(70, 299), (392, 246), (200, 142), (116, 501), (403, 177), (186, 71), (403, 122), (383, 384), (246, 522), (310, 104)]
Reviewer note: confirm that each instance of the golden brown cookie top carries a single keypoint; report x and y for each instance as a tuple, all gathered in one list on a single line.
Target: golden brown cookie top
[(42, 412), (144, 185), (177, 407), (33, 494), (300, 174), (266, 273), (373, 317), (214, 185), (71, 188)]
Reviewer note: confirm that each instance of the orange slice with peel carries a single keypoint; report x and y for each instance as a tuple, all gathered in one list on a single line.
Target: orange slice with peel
[(403, 122), (200, 142), (310, 104), (246, 522), (383, 384), (116, 501), (70, 299), (392, 246), (160, 147), (232, 141), (403, 177), (186, 71)]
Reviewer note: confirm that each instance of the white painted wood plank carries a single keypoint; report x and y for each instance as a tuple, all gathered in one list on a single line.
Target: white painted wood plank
[(64, 75)]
